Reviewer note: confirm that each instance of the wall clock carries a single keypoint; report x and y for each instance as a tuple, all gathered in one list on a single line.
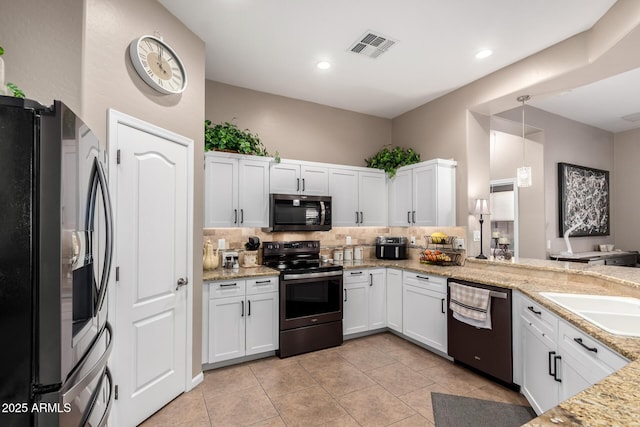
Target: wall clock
[(158, 65)]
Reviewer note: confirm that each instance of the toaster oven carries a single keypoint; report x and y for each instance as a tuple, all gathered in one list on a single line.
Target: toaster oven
[(391, 247)]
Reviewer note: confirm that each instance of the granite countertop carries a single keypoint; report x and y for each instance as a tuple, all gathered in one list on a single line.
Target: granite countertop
[(614, 401), (237, 273)]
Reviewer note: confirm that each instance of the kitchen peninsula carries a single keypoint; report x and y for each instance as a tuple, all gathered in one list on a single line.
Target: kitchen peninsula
[(613, 401)]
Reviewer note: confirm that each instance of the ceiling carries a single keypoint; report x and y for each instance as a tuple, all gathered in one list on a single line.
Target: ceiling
[(274, 46)]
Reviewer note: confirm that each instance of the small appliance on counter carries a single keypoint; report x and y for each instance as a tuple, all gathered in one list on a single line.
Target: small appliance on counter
[(253, 244), (391, 247), (230, 260), (251, 252)]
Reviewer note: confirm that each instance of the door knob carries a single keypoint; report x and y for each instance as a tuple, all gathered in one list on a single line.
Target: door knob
[(181, 282)]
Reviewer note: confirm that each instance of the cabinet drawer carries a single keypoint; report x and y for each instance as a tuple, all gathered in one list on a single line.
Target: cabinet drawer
[(355, 276), (594, 359), (427, 281), (261, 285), (226, 288), (545, 321)]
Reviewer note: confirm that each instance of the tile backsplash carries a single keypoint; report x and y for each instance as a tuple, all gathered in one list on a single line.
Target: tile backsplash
[(235, 238)]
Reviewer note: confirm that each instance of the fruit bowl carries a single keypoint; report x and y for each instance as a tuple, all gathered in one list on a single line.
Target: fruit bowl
[(439, 257)]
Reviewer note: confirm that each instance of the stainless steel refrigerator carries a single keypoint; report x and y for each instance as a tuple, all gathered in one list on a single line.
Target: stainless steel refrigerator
[(56, 241)]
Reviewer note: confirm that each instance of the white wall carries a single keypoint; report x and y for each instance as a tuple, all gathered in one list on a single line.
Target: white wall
[(572, 142), (626, 189), (43, 48), (298, 129), (506, 157)]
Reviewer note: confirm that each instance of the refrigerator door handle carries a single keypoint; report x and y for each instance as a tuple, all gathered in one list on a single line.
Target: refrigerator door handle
[(98, 179), (94, 398), (77, 385)]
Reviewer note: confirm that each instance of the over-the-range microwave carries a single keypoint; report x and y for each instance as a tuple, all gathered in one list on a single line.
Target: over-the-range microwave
[(296, 212)]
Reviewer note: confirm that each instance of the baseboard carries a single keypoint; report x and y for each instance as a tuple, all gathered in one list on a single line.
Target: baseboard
[(196, 380)]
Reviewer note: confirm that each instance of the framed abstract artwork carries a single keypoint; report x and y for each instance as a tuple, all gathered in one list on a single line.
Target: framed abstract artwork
[(583, 201)]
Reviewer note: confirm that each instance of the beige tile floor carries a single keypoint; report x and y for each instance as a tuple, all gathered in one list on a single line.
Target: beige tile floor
[(379, 380)]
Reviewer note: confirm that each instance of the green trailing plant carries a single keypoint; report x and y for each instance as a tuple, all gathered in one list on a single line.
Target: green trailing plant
[(13, 89), (227, 136), (392, 159)]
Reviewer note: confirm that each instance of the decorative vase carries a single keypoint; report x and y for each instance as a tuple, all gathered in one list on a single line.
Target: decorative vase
[(3, 86), (209, 259)]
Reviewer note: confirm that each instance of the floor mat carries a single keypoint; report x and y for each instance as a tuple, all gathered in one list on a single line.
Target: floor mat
[(458, 411)]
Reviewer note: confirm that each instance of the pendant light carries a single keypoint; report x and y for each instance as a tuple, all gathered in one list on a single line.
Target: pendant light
[(523, 174)]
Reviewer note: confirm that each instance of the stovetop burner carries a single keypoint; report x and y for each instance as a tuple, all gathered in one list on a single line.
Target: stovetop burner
[(298, 256)]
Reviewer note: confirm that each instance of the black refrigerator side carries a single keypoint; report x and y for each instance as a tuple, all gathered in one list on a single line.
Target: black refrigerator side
[(19, 261)]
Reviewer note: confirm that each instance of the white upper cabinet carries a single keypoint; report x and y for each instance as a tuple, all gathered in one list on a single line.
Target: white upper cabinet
[(236, 190), (424, 194), (502, 206), (291, 177), (358, 197)]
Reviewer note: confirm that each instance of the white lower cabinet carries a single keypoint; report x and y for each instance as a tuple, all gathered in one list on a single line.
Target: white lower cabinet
[(394, 299), (558, 360), (377, 298), (364, 300), (240, 318), (424, 309)]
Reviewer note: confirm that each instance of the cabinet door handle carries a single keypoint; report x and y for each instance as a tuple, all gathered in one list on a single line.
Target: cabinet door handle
[(551, 354), (356, 273), (297, 184), (235, 216), (262, 282), (533, 310), (579, 341), (249, 308), (555, 368), (413, 217), (242, 308), (422, 277), (228, 285), (361, 218), (345, 295), (357, 217), (442, 306), (408, 217), (303, 185), (370, 279), (241, 216)]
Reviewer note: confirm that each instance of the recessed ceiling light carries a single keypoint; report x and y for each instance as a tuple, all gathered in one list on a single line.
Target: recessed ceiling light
[(485, 53), (323, 65)]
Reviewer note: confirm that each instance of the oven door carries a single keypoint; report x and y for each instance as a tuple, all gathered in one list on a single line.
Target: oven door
[(308, 299)]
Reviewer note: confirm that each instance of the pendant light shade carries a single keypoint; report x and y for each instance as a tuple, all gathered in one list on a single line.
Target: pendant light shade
[(523, 174)]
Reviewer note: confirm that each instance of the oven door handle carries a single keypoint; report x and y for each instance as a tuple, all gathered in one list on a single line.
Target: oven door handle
[(289, 276), (323, 212)]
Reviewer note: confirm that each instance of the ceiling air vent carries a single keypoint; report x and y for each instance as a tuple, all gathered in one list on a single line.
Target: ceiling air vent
[(372, 44)]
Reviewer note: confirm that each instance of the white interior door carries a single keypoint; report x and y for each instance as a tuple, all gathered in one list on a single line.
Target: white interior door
[(153, 240)]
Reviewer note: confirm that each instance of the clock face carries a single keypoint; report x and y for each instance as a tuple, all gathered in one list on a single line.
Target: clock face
[(158, 65)]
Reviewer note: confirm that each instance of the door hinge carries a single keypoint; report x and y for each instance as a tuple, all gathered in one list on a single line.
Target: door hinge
[(118, 156), (115, 392), (117, 274)]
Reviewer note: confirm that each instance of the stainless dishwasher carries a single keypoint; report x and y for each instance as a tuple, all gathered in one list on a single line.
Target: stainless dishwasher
[(486, 350)]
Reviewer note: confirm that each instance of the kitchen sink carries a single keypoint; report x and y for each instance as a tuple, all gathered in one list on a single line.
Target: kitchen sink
[(616, 315)]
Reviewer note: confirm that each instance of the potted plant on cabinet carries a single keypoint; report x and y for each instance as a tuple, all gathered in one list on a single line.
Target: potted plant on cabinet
[(392, 159), (227, 136)]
